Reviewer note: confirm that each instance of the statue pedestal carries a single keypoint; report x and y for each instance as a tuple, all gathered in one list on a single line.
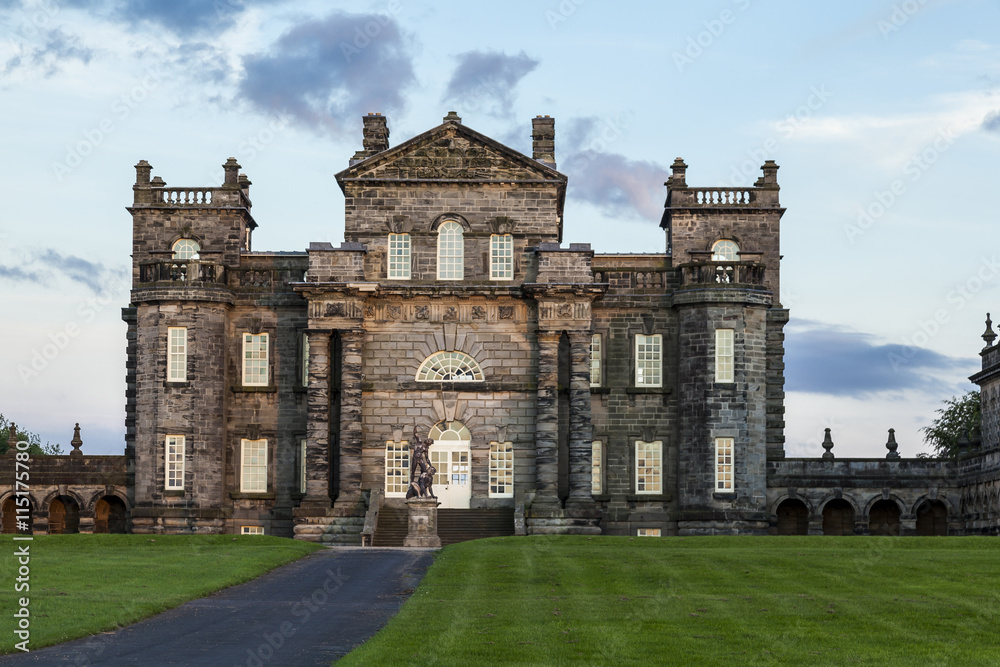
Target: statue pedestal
[(423, 522)]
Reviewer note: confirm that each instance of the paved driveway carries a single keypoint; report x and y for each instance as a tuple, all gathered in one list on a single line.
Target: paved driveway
[(309, 612)]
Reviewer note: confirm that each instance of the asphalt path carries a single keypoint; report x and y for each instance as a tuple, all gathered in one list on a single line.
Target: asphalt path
[(310, 612)]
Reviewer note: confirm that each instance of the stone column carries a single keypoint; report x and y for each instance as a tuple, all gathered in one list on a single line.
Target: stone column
[(352, 343), (547, 428), (318, 427), (580, 429)]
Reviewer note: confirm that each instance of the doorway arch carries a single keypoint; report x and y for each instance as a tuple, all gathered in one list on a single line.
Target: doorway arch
[(793, 517), (932, 519), (110, 515), (883, 518), (64, 516), (838, 518)]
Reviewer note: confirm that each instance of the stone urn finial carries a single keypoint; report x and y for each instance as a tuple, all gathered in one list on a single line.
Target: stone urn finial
[(76, 441), (891, 445), (989, 335), (828, 446)]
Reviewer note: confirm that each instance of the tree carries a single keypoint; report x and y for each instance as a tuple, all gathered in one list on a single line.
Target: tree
[(959, 416), (35, 445)]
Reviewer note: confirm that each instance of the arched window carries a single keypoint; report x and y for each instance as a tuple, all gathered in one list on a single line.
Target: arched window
[(451, 252), (186, 249), (725, 251), (445, 431), (449, 367)]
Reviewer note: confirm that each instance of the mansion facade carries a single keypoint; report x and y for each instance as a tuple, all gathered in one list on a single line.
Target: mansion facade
[(579, 392)]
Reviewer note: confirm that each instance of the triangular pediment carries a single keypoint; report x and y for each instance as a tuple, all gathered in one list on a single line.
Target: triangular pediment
[(450, 152)]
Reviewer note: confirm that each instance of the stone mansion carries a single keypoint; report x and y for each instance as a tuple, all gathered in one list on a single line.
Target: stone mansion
[(566, 391)]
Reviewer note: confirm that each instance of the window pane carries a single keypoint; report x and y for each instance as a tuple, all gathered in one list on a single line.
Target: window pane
[(501, 257), (255, 359), (186, 249), (177, 354), (399, 256), (725, 251), (723, 355), (397, 468), (596, 461), (595, 360), (451, 252), (502, 469), (647, 360), (724, 464), (174, 456), (253, 472), (648, 467), (450, 367)]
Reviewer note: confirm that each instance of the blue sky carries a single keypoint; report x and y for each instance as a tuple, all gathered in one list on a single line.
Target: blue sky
[(884, 117)]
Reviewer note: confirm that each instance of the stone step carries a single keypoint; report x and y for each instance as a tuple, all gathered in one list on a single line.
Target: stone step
[(453, 525)]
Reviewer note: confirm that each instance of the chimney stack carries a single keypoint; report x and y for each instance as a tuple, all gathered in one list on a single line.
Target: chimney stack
[(543, 136), (376, 134)]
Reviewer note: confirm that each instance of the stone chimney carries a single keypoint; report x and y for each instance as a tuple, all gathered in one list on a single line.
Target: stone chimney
[(376, 134), (678, 175), (543, 140), (232, 171)]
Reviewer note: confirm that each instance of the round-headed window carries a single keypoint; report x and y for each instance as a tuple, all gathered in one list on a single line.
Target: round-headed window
[(725, 251), (186, 249)]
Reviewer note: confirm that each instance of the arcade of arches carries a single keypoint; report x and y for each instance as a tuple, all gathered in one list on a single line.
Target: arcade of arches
[(838, 518)]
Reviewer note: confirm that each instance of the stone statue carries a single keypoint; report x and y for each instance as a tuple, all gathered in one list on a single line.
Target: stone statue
[(421, 470)]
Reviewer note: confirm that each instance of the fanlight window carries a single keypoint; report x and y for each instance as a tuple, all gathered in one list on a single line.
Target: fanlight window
[(449, 431), (725, 251), (186, 249), (450, 367)]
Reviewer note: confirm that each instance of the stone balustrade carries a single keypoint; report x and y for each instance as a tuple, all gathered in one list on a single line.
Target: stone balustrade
[(182, 271), (722, 274)]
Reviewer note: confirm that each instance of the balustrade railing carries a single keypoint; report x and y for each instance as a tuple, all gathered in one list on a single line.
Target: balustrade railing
[(182, 271), (722, 273), (721, 196), (184, 196)]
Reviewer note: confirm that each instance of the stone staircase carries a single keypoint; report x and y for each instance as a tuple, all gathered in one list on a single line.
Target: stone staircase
[(453, 525)]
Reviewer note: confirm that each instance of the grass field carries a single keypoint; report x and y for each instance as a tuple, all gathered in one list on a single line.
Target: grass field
[(701, 601), (84, 584)]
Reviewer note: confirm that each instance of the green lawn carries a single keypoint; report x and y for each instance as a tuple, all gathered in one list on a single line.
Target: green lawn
[(716, 601), (84, 584)]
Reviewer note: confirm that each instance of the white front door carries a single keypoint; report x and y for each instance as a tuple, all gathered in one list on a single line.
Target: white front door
[(452, 482)]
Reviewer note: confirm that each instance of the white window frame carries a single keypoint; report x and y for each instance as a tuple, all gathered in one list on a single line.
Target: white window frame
[(442, 367), (648, 362), (725, 250), (251, 530), (176, 354), (596, 347), (398, 265), (501, 470), (174, 449), (253, 475), (305, 360), (724, 365), (302, 465), (501, 257), (253, 365), (186, 246), (725, 459), (596, 468), (648, 532), (451, 251), (649, 467), (397, 468)]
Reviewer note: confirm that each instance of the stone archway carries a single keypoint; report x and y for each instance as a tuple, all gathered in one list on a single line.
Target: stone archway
[(110, 515), (883, 519), (838, 518), (10, 517), (793, 517), (932, 519), (64, 516)]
